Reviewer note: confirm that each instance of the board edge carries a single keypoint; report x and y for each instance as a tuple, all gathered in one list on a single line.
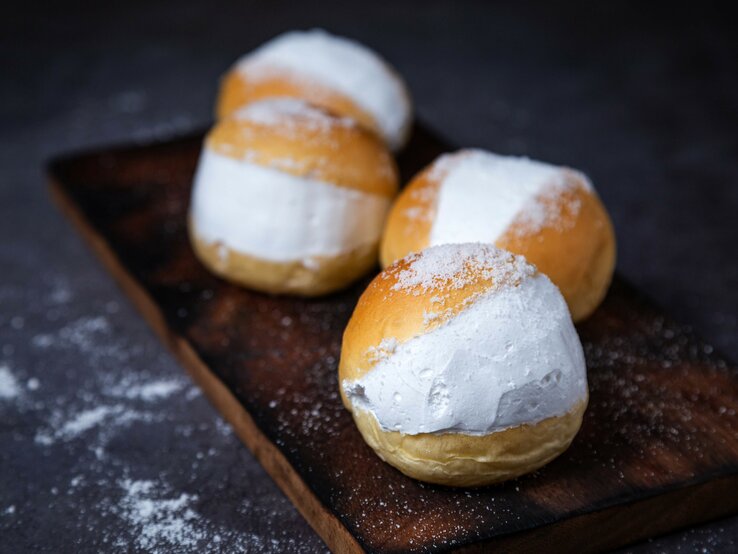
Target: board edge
[(325, 523), (330, 529), (694, 504)]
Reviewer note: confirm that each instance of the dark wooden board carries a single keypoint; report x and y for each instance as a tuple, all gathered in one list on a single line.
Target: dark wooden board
[(658, 448)]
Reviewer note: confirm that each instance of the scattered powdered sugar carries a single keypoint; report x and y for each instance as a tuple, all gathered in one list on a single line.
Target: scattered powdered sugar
[(95, 400), (61, 294), (289, 114), (418, 213), (77, 424), (552, 207), (299, 166), (422, 196), (84, 421), (453, 266), (166, 520), (85, 335), (108, 419), (385, 348), (161, 522), (149, 391), (292, 118), (9, 387), (430, 317)]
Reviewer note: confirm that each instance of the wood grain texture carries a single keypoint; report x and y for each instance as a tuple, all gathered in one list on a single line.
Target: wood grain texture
[(658, 448)]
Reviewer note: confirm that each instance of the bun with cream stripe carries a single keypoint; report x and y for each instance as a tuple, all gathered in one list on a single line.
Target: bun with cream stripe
[(461, 366), (335, 73), (289, 198), (549, 214)]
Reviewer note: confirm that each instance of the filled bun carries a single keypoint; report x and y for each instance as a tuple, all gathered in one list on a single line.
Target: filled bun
[(335, 73), (461, 366), (551, 215), (289, 198)]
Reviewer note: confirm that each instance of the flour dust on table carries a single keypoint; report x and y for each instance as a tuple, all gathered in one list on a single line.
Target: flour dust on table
[(109, 429)]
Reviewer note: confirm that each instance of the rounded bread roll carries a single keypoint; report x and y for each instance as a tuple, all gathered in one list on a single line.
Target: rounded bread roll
[(461, 366), (289, 198), (551, 215), (335, 73)]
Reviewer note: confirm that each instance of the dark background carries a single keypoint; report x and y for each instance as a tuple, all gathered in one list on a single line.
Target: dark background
[(105, 444)]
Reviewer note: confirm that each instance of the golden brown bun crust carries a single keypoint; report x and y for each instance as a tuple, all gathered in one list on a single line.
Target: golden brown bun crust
[(237, 90), (577, 253), (460, 460), (409, 223), (324, 275), (339, 152)]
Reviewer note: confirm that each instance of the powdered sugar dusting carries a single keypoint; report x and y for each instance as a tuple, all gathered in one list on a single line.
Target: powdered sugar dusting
[(104, 421), (417, 213), (166, 520), (553, 206), (84, 334), (92, 400), (384, 349), (423, 196), (86, 420), (154, 390), (160, 521), (290, 113), (454, 266), (8, 385)]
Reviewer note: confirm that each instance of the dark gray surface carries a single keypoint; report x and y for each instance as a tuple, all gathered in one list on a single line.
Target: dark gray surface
[(105, 444)]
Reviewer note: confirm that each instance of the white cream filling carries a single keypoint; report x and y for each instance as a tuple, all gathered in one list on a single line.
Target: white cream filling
[(482, 193), (345, 66), (273, 215), (512, 357)]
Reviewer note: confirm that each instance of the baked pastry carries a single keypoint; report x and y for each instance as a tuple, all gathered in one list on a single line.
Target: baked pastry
[(336, 73), (289, 198), (551, 215), (461, 366)]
